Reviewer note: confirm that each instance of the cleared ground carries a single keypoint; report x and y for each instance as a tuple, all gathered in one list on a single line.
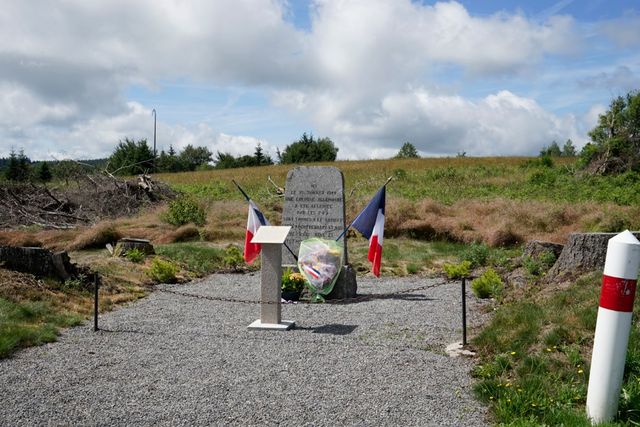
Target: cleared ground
[(175, 360)]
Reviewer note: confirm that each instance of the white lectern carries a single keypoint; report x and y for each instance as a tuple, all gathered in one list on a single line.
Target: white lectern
[(271, 238)]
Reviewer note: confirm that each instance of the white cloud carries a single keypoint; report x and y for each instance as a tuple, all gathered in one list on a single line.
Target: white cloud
[(624, 31), (364, 72), (621, 78), (500, 124)]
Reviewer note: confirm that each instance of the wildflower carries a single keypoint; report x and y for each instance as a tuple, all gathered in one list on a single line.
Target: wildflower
[(549, 350), (507, 385), (580, 371), (513, 353)]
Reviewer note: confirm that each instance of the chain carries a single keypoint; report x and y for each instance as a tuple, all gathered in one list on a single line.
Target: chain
[(331, 301)]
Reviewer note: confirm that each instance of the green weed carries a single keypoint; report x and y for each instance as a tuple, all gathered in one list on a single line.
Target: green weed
[(489, 285), (233, 257), (135, 255), (457, 271), (162, 271), (185, 210), (477, 254)]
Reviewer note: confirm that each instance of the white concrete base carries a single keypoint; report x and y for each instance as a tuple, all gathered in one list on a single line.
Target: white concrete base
[(285, 325), (456, 350)]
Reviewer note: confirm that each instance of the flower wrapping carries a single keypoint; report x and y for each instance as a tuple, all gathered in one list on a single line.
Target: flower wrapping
[(320, 261)]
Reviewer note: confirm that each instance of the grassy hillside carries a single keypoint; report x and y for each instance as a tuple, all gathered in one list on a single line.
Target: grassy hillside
[(500, 200)]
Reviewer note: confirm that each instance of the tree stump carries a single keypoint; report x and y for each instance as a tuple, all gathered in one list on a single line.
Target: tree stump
[(583, 252), (37, 261), (128, 243)]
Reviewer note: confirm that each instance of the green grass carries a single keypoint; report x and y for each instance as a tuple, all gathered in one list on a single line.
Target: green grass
[(535, 354), (198, 257), (24, 324), (445, 180)]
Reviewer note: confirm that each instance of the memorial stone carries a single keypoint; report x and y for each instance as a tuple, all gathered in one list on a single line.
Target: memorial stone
[(314, 207)]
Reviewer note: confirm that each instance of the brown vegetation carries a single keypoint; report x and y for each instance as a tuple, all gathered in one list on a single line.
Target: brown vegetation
[(93, 198)]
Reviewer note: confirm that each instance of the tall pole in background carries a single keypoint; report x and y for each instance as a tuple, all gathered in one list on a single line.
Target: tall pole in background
[(154, 139)]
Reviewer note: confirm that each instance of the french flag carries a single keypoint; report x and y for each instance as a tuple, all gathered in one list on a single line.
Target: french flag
[(370, 222), (256, 220)]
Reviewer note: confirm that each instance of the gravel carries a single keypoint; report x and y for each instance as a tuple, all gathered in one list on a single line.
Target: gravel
[(175, 360)]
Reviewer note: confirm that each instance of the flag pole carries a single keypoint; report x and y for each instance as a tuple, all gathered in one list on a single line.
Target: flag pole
[(354, 220), (246, 196)]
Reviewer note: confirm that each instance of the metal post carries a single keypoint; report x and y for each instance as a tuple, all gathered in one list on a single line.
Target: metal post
[(95, 302), (154, 139), (464, 311)]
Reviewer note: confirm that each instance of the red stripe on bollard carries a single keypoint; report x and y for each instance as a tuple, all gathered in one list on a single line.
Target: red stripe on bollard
[(617, 294)]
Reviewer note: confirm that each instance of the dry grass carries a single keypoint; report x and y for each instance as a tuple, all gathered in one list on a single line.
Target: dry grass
[(96, 237), (497, 222)]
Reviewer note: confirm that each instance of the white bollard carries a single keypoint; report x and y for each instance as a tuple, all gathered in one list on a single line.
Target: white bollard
[(613, 326)]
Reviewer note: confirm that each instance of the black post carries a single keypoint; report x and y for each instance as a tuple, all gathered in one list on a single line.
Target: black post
[(96, 281), (464, 311)]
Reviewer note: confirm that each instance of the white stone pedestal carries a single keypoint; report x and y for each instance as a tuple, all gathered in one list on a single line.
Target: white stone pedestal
[(271, 239)]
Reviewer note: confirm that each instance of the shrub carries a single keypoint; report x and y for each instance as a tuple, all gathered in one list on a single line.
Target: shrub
[(232, 257), (162, 271), (477, 254), (489, 285), (135, 255), (184, 210), (458, 271)]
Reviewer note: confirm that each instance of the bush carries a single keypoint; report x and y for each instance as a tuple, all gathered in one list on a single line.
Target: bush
[(477, 254), (489, 285), (184, 210), (232, 257), (162, 271), (135, 255), (458, 271)]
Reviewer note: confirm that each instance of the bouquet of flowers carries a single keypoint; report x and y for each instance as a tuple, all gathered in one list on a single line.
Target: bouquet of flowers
[(320, 261)]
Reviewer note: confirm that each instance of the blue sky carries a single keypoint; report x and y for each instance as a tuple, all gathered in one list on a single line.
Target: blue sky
[(481, 77)]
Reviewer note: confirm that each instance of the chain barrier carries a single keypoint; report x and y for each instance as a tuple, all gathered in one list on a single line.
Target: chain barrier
[(330, 301)]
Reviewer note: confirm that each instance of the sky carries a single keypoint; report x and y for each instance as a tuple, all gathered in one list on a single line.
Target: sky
[(484, 77)]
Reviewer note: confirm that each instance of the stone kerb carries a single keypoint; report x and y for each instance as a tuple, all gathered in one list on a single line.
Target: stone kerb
[(314, 207)]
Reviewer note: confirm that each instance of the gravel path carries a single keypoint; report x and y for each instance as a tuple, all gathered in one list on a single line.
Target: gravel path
[(173, 360)]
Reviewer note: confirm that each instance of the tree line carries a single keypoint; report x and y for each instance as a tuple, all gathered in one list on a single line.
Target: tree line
[(614, 148), (132, 157)]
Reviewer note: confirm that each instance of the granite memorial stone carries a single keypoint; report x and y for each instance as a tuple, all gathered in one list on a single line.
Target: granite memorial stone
[(314, 207)]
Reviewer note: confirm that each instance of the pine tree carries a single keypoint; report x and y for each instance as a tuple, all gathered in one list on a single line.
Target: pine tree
[(44, 173), (13, 169)]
